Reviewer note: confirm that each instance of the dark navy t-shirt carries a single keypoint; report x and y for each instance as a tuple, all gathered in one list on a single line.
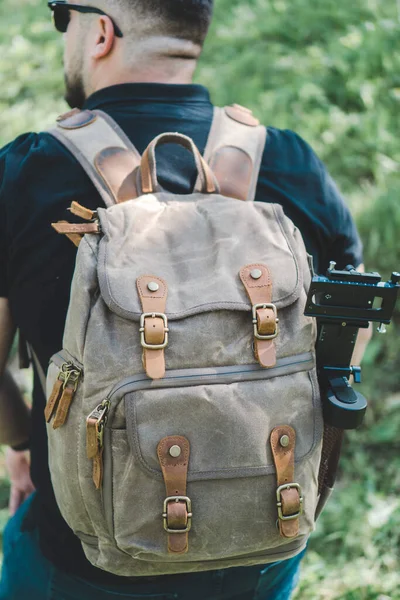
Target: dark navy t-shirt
[(39, 179)]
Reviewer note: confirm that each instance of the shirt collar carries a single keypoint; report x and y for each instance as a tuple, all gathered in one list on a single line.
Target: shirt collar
[(148, 92)]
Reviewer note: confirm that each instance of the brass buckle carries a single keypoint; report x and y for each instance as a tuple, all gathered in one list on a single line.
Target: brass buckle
[(153, 315), (288, 486), (189, 516), (257, 334)]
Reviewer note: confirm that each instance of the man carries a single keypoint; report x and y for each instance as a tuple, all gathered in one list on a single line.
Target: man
[(135, 60)]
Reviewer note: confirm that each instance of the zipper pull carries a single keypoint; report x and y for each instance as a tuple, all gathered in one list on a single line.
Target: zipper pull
[(72, 376), (95, 424), (55, 394), (52, 401)]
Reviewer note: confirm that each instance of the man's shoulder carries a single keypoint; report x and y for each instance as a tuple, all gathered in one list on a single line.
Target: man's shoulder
[(29, 155), (28, 144), (286, 150)]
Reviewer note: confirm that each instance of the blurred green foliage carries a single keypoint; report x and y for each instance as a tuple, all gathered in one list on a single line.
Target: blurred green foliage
[(329, 69)]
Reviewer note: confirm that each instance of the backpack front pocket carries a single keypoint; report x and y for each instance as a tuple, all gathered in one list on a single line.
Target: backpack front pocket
[(227, 415)]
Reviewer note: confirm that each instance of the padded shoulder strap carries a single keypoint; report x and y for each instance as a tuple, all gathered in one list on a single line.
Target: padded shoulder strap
[(103, 150), (234, 151)]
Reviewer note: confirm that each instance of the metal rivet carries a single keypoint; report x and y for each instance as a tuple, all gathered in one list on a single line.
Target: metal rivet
[(256, 274), (284, 441), (175, 451), (153, 286)]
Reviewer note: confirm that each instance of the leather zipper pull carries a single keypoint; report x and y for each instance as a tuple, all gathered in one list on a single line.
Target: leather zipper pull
[(98, 469), (63, 393), (63, 407), (95, 424), (52, 401), (82, 212), (72, 375)]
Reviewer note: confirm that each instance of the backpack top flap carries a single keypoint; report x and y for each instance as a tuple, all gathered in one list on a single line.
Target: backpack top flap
[(197, 244)]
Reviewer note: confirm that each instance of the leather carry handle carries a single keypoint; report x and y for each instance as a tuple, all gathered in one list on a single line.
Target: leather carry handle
[(148, 167)]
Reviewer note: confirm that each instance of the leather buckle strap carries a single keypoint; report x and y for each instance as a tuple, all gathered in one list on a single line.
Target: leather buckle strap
[(154, 330), (173, 454), (257, 281), (260, 326), (153, 346), (189, 515), (288, 494), (280, 501)]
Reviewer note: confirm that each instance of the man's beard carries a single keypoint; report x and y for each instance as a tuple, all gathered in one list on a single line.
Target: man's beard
[(74, 91)]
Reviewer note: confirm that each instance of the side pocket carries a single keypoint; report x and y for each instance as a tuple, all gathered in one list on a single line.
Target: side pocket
[(64, 445)]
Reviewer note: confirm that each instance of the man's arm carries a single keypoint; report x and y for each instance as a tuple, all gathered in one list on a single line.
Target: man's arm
[(14, 414), (7, 332), (14, 417)]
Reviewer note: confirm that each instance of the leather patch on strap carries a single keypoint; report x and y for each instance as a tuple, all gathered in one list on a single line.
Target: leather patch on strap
[(154, 324), (76, 119), (173, 453), (233, 169), (258, 284), (241, 115), (289, 500), (117, 168)]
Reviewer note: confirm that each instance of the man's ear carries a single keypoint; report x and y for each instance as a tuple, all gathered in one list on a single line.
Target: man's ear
[(104, 38)]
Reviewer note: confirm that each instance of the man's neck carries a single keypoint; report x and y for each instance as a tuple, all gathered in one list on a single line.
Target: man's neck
[(180, 72), (151, 60)]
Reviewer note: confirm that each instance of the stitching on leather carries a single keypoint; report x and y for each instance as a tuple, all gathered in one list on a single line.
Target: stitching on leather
[(147, 296), (245, 273), (162, 451)]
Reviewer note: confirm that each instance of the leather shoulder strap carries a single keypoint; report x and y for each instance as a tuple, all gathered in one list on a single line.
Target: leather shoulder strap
[(103, 150), (234, 151)]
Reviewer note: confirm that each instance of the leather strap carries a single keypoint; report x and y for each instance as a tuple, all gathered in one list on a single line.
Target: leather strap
[(94, 451), (53, 399), (207, 181), (154, 329), (63, 407), (103, 150), (82, 212), (80, 228), (331, 451), (234, 151), (259, 290), (177, 513), (75, 232), (283, 440)]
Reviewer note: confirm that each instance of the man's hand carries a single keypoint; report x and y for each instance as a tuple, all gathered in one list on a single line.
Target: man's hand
[(18, 464), (363, 338)]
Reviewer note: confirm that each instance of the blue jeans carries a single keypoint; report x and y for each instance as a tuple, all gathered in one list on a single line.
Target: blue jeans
[(28, 575)]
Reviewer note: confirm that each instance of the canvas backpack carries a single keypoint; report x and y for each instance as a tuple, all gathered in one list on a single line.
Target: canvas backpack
[(183, 412)]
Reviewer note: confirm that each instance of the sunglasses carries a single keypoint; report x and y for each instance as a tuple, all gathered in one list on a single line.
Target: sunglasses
[(61, 15)]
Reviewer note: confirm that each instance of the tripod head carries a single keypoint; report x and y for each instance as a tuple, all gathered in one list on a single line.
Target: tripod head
[(343, 302)]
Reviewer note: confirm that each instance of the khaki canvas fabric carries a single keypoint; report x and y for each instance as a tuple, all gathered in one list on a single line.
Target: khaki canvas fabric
[(214, 392)]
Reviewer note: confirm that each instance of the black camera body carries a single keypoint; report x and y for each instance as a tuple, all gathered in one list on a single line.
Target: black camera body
[(343, 302)]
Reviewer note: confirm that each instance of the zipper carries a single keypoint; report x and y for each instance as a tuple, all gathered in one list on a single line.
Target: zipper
[(103, 413), (97, 420), (63, 394)]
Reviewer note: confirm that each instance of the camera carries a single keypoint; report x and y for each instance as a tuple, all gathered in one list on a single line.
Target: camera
[(342, 302)]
